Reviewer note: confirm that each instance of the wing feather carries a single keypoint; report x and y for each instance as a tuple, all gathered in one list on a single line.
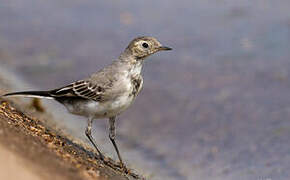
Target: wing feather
[(82, 88)]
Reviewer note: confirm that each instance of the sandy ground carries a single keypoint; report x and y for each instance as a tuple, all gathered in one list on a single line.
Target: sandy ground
[(14, 162), (34, 151)]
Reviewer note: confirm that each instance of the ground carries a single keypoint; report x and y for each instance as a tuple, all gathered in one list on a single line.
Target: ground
[(37, 152)]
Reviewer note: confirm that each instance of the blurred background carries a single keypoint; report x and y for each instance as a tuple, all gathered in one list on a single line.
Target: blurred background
[(217, 107)]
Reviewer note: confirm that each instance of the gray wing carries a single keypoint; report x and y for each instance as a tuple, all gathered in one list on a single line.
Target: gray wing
[(83, 88), (101, 86)]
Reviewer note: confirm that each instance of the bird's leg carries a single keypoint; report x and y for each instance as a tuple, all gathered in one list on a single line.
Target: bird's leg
[(112, 136), (89, 135)]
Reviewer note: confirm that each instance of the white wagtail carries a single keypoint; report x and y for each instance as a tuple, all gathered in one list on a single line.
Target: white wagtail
[(108, 92)]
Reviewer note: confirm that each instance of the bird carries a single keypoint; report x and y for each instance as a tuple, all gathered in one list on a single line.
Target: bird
[(106, 93)]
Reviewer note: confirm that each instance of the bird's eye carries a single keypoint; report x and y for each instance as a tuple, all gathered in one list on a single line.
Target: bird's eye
[(145, 45)]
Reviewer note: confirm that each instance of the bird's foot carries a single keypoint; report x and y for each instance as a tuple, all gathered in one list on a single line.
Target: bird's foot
[(124, 168), (101, 157)]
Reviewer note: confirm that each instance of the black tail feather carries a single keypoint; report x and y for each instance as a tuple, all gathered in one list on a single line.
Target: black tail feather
[(39, 94)]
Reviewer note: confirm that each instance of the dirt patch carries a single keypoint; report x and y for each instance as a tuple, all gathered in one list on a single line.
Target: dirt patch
[(44, 153)]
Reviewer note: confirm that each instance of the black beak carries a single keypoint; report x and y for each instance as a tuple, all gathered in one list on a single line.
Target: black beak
[(164, 48)]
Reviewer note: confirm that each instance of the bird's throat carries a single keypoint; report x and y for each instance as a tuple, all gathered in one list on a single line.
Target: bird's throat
[(136, 68)]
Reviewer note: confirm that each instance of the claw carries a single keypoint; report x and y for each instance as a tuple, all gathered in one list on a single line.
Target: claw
[(123, 168), (101, 157)]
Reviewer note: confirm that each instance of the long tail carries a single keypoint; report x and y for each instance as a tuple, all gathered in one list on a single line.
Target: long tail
[(36, 94)]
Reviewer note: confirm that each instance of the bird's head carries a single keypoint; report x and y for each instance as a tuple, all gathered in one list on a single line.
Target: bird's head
[(142, 47)]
